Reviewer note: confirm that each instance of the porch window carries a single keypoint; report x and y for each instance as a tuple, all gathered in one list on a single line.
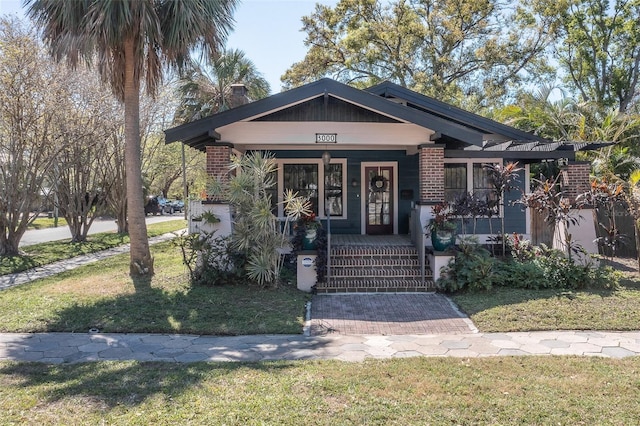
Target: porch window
[(333, 189), (455, 181), (303, 179), (482, 186), (461, 177)]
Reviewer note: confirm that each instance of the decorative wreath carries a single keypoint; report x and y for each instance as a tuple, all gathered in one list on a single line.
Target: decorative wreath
[(379, 183)]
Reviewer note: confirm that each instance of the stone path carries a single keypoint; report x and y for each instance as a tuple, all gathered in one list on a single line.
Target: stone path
[(74, 347), (387, 314)]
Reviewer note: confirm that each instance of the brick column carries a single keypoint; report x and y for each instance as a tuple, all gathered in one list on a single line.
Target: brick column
[(431, 174), (575, 179), (218, 162)]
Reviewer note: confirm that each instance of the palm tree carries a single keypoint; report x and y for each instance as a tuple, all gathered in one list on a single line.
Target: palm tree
[(131, 40), (205, 90)]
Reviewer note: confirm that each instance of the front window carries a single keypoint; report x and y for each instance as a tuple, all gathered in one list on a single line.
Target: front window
[(303, 179), (324, 185), (333, 189)]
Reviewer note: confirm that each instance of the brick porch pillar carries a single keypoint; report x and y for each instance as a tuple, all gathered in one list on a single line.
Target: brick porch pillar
[(218, 162), (575, 179), (431, 163)]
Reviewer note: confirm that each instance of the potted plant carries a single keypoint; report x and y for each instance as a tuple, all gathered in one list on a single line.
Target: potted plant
[(310, 226), (442, 227)]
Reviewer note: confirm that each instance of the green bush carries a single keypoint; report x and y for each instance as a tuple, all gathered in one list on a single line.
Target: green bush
[(531, 267), (473, 268)]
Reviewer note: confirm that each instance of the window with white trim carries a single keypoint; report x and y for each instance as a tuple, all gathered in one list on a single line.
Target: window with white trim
[(325, 186), (460, 175)]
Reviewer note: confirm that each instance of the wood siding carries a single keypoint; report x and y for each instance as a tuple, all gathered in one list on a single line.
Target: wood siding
[(335, 110)]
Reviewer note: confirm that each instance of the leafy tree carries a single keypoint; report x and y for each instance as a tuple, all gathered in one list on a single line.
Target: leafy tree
[(30, 87), (131, 40), (205, 90), (454, 50), (599, 50), (80, 176)]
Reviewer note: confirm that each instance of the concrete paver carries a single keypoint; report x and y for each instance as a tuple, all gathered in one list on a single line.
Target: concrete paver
[(73, 347)]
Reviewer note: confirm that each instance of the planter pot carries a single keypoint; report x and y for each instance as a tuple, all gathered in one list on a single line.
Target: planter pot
[(309, 240), (442, 239)]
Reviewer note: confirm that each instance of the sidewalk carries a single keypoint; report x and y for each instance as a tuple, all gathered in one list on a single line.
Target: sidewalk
[(73, 347)]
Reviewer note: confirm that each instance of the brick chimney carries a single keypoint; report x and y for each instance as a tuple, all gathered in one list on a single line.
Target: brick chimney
[(238, 95)]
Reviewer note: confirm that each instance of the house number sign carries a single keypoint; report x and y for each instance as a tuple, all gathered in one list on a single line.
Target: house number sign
[(326, 137)]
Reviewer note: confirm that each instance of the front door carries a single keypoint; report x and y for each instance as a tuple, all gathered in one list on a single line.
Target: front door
[(379, 201)]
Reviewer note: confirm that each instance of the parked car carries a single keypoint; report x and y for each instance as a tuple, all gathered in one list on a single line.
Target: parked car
[(178, 206), (158, 205)]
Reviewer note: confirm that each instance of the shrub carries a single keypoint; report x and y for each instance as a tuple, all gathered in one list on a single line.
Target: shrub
[(211, 260), (532, 267), (473, 268)]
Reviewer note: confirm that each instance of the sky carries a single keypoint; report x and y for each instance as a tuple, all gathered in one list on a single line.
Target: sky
[(268, 31)]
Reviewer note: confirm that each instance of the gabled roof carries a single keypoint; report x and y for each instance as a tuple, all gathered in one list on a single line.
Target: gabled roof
[(422, 111), (457, 115)]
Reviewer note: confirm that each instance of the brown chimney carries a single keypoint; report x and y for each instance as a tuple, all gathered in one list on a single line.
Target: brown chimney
[(238, 95)]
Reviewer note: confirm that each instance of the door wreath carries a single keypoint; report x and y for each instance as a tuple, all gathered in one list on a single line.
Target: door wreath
[(379, 183)]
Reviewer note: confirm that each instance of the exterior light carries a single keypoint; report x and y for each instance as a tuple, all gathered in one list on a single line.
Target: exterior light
[(326, 158)]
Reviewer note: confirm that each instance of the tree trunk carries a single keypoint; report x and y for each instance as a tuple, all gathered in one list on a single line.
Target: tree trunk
[(141, 260)]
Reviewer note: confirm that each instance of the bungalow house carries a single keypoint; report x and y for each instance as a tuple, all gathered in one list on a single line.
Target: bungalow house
[(373, 162)]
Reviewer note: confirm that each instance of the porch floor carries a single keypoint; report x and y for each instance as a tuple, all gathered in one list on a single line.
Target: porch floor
[(387, 314)]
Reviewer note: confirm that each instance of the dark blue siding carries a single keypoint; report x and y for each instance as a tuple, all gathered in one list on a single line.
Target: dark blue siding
[(407, 180)]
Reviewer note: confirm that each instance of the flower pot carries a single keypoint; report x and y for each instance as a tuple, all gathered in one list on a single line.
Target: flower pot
[(442, 239), (309, 240)]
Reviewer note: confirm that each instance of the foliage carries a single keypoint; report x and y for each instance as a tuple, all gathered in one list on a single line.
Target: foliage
[(531, 267), (473, 268), (550, 201), (472, 51), (598, 50), (257, 235), (207, 89), (502, 179), (469, 206), (442, 218), (605, 197), (30, 87), (211, 260), (133, 47)]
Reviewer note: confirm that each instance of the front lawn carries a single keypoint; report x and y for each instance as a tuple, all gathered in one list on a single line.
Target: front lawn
[(415, 391), (46, 253), (511, 309), (102, 295)]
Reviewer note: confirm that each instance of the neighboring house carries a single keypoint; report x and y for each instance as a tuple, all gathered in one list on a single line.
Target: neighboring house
[(390, 154)]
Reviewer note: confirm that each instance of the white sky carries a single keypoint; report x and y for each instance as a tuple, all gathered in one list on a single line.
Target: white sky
[(268, 31)]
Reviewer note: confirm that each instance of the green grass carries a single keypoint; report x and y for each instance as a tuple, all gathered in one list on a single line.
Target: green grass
[(415, 391), (102, 295), (46, 253), (45, 222), (508, 309)]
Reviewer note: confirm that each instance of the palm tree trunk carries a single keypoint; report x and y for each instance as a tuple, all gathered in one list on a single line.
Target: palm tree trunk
[(141, 260)]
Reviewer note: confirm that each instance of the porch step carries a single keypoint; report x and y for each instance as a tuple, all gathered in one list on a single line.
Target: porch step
[(375, 268)]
